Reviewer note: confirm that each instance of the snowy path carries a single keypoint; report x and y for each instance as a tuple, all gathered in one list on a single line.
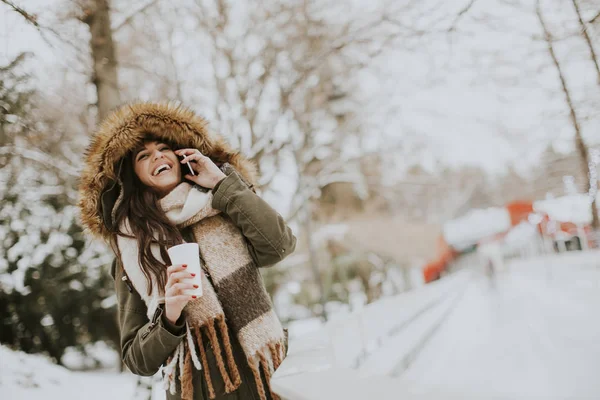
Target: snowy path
[(523, 338), (532, 334)]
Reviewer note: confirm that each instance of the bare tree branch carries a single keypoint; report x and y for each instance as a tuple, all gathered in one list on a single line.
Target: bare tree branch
[(591, 21), (579, 143), (40, 157), (460, 15), (32, 19), (333, 166), (134, 14), (584, 32), (42, 29)]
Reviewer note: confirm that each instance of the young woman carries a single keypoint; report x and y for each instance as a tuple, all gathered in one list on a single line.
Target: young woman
[(138, 194)]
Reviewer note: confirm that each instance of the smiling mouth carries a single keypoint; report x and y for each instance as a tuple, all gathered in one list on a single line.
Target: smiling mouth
[(161, 170)]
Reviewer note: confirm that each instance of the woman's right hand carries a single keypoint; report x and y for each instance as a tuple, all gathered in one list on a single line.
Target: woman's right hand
[(175, 297)]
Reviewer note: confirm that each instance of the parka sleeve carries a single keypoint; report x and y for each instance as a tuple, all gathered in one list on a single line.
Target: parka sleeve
[(269, 238), (145, 344)]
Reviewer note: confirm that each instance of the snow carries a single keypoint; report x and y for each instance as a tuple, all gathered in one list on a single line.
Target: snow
[(572, 208), (482, 95), (302, 327), (347, 339), (529, 334), (520, 234), (31, 377), (477, 224), (408, 342), (96, 355)]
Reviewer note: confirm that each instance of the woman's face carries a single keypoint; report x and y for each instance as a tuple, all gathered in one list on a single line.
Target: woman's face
[(157, 167)]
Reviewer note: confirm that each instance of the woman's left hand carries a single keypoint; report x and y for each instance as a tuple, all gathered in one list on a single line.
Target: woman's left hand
[(207, 172)]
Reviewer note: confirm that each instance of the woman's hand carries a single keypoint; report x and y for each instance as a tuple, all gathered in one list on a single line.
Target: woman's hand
[(207, 172), (177, 285)]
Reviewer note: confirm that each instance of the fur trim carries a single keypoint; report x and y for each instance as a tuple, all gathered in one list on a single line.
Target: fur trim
[(124, 129)]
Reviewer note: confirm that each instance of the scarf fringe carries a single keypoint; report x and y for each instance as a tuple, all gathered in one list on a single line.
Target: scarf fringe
[(182, 355), (275, 349), (211, 390), (266, 366), (254, 366), (169, 372), (190, 341), (185, 358), (269, 359), (186, 377), (214, 343), (237, 380)]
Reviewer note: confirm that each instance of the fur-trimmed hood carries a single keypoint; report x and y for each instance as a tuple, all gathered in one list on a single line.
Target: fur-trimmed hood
[(124, 130)]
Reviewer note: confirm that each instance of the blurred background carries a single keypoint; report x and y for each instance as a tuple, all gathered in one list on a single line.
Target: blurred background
[(408, 144)]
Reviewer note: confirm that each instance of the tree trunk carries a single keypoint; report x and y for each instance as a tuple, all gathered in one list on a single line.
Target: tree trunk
[(579, 143), (585, 35), (594, 58), (584, 156), (97, 17), (312, 254)]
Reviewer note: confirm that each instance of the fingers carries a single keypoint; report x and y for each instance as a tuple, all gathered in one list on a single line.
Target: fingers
[(176, 268), (176, 277), (191, 155), (187, 152), (182, 152), (179, 288), (197, 157)]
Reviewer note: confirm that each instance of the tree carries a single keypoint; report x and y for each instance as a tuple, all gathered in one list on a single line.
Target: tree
[(588, 40), (278, 75), (15, 100), (53, 292), (96, 15), (580, 144)]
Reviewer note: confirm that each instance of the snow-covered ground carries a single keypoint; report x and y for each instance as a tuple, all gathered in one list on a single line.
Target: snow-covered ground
[(31, 377), (532, 333)]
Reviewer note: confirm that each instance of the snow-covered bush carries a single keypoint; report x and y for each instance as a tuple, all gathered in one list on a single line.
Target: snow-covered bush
[(54, 289)]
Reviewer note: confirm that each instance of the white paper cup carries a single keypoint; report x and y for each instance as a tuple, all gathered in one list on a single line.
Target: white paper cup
[(188, 253)]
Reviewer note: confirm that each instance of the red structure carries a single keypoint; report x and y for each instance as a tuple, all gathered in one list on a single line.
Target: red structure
[(518, 212)]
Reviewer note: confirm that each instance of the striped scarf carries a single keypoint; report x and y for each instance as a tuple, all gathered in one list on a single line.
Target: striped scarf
[(236, 294)]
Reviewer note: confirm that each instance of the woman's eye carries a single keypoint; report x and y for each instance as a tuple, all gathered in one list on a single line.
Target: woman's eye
[(164, 149), (142, 157)]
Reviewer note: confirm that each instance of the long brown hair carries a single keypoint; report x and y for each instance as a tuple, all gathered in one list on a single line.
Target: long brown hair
[(148, 223)]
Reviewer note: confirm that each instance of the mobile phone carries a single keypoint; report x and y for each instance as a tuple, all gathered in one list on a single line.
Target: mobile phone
[(188, 165)]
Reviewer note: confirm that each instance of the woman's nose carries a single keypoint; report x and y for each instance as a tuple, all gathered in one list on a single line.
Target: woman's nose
[(157, 154)]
